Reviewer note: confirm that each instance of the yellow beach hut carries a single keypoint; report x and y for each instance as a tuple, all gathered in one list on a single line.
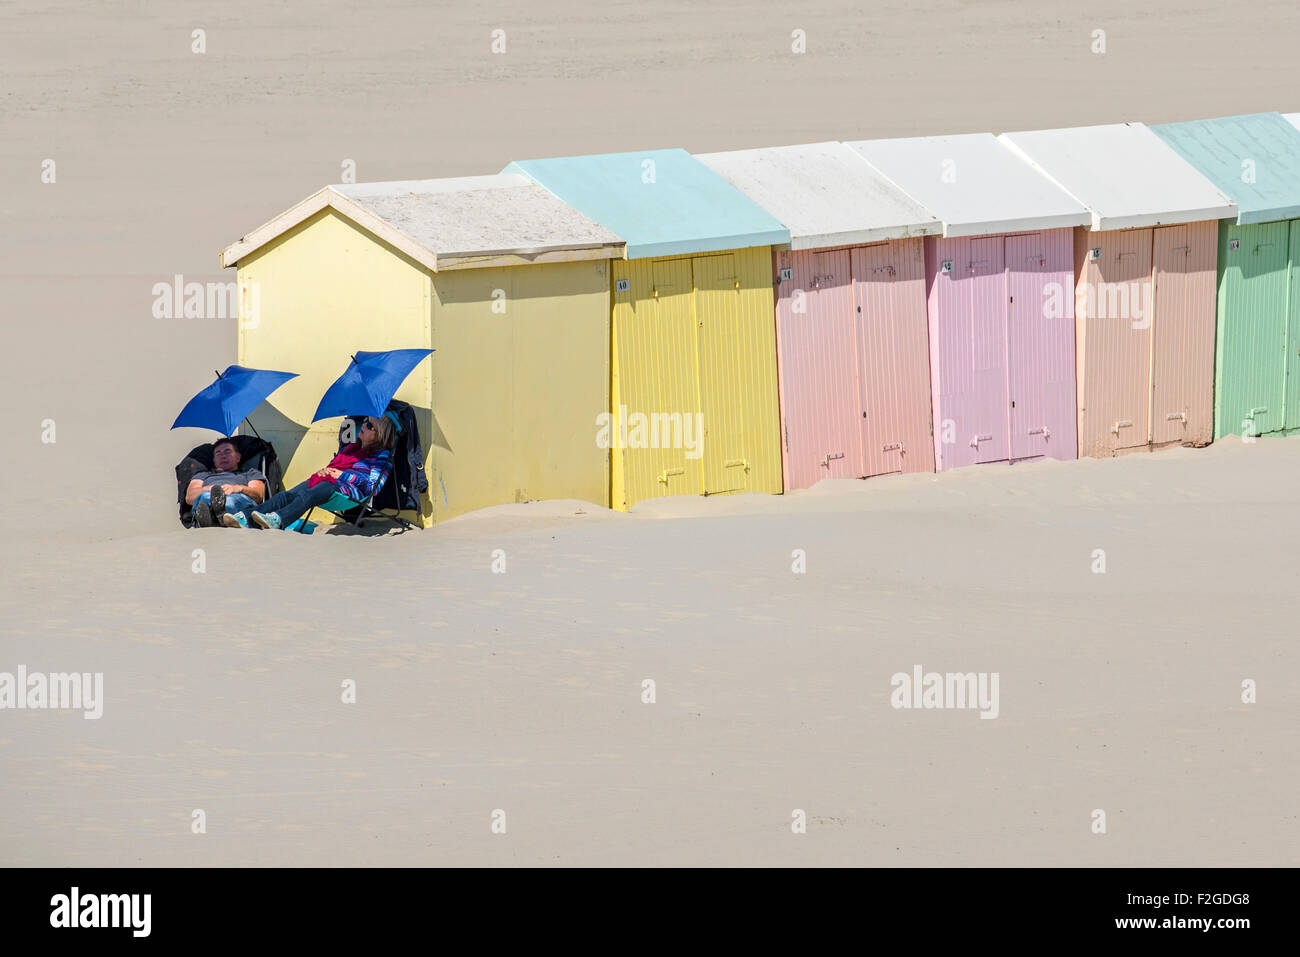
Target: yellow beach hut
[(693, 384), (507, 284)]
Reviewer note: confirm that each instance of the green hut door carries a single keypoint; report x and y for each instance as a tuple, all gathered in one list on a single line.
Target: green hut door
[(1293, 330), (1253, 366)]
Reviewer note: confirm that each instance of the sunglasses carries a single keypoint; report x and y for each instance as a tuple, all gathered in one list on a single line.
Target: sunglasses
[(368, 425)]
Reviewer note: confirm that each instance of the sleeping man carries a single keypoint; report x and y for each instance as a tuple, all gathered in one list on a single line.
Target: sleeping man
[(225, 489)]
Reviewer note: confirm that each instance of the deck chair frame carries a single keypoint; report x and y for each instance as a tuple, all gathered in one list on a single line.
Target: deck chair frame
[(362, 510)]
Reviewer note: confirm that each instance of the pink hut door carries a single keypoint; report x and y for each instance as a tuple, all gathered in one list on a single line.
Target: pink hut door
[(894, 357), (1182, 330), (1040, 345), (968, 350), (987, 281), (818, 368)]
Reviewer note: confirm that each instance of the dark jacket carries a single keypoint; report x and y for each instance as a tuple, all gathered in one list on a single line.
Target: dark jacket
[(254, 453)]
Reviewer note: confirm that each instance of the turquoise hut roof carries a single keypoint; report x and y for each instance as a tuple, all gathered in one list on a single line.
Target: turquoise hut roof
[(1253, 159), (660, 202)]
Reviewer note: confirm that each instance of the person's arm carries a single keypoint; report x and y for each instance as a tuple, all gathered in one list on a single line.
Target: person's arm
[(193, 491), (255, 489)]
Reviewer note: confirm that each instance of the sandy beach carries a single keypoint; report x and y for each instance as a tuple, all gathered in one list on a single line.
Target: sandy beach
[(522, 690)]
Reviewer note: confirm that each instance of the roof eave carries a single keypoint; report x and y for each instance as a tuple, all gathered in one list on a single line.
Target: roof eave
[(707, 244), (1164, 218), (1272, 214), (344, 206), (535, 256), (858, 237), (1027, 224)]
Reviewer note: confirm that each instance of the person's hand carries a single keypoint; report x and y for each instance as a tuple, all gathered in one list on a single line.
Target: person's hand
[(232, 489)]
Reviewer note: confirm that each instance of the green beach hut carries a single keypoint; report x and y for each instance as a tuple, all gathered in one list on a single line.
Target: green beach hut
[(1255, 161)]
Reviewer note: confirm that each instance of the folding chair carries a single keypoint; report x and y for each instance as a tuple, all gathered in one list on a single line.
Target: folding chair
[(348, 509), (254, 453)]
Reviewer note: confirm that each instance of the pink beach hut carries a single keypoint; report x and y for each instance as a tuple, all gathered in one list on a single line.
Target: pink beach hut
[(1144, 305), (1000, 296), (852, 344)]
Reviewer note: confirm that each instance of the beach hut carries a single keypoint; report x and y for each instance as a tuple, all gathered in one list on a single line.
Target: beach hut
[(1144, 307), (852, 342), (507, 284), (693, 393), (1255, 161), (999, 296)]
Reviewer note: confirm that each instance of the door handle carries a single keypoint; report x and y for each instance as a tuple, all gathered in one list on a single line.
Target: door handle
[(666, 473)]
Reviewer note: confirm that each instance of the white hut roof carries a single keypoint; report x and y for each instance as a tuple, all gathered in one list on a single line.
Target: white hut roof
[(973, 184), (1125, 174), (453, 223), (824, 194)]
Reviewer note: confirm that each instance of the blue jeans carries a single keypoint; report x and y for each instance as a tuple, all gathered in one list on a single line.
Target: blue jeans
[(235, 501), (292, 503)]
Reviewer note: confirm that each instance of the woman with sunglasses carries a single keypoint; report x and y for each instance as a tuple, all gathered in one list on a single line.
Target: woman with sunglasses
[(357, 471)]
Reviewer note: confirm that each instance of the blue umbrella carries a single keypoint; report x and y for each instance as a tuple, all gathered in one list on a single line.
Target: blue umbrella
[(225, 403), (369, 383)]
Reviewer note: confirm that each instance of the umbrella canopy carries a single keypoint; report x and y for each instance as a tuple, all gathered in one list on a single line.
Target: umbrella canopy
[(225, 403), (369, 383)]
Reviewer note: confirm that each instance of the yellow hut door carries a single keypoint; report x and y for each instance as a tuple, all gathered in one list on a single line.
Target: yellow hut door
[(723, 347), (655, 381)]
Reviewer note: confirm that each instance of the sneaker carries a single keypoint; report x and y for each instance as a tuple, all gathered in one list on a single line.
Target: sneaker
[(203, 517), (235, 520), (267, 519), (218, 496)]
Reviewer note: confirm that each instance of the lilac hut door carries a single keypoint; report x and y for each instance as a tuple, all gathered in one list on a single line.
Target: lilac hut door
[(819, 375), (1040, 345), (986, 279), (892, 334)]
